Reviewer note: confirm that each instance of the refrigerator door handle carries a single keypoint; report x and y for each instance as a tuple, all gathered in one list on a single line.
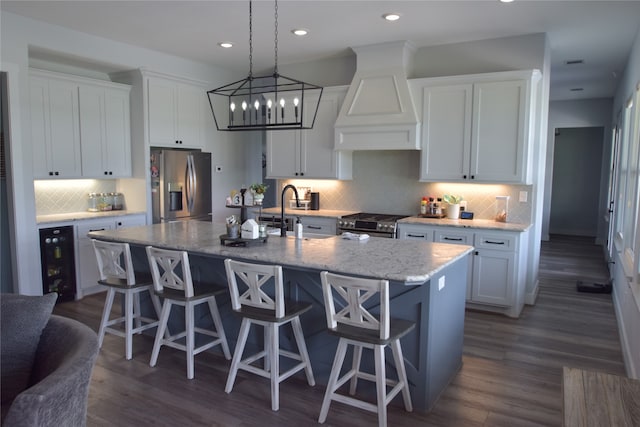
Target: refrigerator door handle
[(191, 183)]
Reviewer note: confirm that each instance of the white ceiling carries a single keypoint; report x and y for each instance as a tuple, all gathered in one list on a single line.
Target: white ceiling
[(599, 32)]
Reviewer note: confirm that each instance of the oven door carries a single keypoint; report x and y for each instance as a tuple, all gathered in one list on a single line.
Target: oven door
[(372, 233)]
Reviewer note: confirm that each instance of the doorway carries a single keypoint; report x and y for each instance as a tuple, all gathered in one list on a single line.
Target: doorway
[(577, 170)]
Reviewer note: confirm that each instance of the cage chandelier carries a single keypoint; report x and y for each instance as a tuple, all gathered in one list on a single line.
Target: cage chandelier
[(270, 102)]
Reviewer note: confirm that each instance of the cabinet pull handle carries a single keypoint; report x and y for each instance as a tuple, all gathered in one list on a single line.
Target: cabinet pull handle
[(416, 235), (458, 239), (314, 227), (96, 229), (490, 242)]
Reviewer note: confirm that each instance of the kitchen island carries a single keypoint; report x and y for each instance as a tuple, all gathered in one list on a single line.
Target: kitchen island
[(427, 286)]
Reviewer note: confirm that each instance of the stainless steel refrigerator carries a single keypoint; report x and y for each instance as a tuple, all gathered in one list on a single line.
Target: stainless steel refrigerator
[(180, 185)]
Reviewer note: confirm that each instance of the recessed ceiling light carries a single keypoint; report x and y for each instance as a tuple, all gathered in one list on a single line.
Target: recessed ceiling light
[(300, 31), (506, 1), (225, 45), (391, 16)]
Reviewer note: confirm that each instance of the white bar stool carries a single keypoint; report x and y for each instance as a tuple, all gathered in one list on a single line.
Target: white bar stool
[(116, 273), (172, 280), (356, 326), (256, 307)]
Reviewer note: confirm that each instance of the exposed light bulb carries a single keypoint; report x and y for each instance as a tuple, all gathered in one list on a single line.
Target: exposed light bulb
[(233, 107), (296, 101), (244, 105), (256, 104), (391, 16), (282, 102)]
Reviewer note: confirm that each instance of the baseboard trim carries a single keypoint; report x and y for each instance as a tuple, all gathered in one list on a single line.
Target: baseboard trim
[(531, 297), (627, 356)]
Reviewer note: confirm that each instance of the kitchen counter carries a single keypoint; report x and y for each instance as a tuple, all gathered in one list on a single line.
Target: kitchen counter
[(83, 215), (488, 224), (408, 262), (325, 213), (427, 286)]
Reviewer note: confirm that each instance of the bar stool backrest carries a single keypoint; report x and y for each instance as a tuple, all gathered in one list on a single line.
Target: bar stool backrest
[(350, 295), (170, 269), (252, 278), (114, 261)]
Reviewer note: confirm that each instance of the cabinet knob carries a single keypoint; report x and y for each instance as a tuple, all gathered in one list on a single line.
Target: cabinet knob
[(106, 173), (57, 173), (301, 173), (464, 176), (476, 253), (110, 173), (297, 173), (473, 177), (50, 173)]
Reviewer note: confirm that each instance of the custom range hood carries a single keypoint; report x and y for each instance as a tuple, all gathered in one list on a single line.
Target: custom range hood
[(378, 112)]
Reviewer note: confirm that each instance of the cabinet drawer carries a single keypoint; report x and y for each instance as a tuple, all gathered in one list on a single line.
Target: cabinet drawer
[(319, 228), (415, 232), (496, 241), (455, 237)]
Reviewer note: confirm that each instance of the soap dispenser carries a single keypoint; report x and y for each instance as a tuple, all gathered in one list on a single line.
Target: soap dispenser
[(298, 228)]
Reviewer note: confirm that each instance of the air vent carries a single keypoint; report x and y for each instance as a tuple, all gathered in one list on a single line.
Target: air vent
[(575, 62)]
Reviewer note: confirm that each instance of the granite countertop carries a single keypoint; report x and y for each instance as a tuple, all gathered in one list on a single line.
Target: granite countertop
[(488, 224), (326, 213), (83, 215), (407, 261)]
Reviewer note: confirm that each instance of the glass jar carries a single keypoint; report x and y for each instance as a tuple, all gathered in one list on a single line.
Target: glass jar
[(106, 202), (118, 201), (93, 202), (502, 208)]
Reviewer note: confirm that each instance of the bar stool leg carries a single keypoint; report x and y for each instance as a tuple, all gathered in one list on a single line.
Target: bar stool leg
[(137, 312), (355, 367), (237, 354), (341, 352), (164, 317), (190, 338), (302, 348), (217, 322), (106, 313), (402, 374), (128, 323), (273, 352), (381, 385)]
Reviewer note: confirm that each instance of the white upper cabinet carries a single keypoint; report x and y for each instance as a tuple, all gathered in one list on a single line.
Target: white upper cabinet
[(79, 127), (310, 153), (105, 130), (55, 131), (176, 113), (477, 128)]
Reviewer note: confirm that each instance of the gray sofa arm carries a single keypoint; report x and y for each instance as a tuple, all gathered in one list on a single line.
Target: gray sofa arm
[(60, 378)]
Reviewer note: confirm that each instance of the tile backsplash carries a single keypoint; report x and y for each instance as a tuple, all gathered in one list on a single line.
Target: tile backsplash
[(66, 196), (387, 182)]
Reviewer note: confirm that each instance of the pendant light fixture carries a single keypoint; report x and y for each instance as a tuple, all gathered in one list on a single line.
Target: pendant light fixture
[(271, 102)]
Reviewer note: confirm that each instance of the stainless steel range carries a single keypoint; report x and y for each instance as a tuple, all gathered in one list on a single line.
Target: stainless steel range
[(375, 225)]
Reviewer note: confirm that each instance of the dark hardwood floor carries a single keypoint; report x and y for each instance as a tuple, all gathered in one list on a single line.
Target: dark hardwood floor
[(511, 375)]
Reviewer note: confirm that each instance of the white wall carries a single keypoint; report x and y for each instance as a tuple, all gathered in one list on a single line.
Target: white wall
[(18, 35), (626, 304)]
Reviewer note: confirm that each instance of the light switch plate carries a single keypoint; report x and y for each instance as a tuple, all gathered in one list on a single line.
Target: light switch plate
[(440, 283)]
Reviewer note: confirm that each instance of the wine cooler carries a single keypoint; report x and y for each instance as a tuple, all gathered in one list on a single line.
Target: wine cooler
[(58, 263)]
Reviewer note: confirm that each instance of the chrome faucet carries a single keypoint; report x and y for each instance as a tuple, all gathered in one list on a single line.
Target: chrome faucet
[(283, 225)]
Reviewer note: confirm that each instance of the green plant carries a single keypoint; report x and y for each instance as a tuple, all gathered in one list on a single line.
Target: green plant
[(451, 199), (259, 188)]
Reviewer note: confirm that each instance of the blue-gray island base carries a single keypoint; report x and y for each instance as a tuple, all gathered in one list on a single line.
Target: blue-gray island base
[(427, 286)]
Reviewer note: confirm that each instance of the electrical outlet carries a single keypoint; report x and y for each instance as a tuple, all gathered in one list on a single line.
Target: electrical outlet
[(218, 169), (523, 196)]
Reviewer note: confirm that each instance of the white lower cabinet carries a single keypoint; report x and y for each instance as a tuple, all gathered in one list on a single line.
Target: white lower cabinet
[(497, 271), (316, 225), (86, 264)]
